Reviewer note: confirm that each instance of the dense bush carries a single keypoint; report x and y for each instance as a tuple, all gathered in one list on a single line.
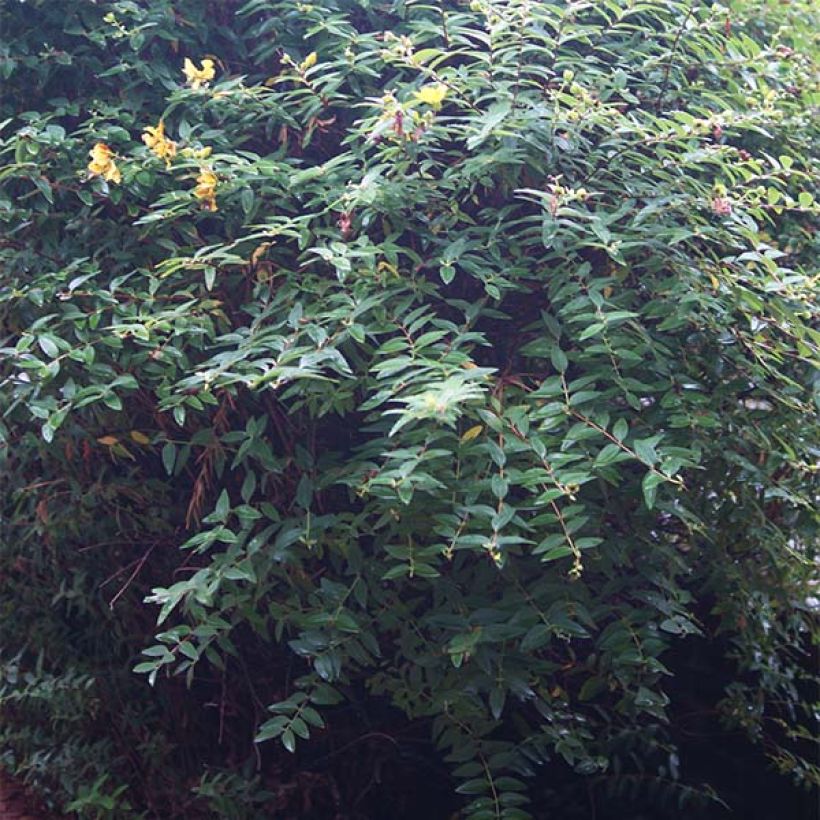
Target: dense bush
[(433, 374)]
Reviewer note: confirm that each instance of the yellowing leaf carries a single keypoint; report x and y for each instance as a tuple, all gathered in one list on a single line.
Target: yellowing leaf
[(108, 441), (140, 438), (259, 252), (122, 452), (309, 61), (473, 432)]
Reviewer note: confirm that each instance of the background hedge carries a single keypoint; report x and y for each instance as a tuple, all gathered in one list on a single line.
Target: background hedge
[(407, 407)]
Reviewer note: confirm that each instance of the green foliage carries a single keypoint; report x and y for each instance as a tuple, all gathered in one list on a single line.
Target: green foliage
[(459, 358)]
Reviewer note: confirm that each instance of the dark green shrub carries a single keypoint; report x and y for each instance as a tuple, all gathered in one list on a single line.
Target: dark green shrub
[(449, 359)]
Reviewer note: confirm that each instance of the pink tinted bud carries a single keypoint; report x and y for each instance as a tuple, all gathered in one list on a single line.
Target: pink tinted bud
[(721, 206)]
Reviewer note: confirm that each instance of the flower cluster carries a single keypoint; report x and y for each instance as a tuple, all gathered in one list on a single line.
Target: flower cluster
[(400, 48), (102, 156), (721, 206), (401, 121), (197, 153), (156, 140), (102, 163), (205, 190), (197, 77)]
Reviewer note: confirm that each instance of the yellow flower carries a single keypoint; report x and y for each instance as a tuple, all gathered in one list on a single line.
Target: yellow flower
[(198, 77), (309, 61), (156, 140), (102, 163), (433, 95), (205, 190), (153, 136)]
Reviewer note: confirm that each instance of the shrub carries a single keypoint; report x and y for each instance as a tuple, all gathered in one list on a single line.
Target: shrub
[(452, 357)]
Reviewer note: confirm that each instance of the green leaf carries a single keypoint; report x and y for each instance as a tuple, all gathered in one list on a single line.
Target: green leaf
[(559, 359), (499, 486), (223, 506), (210, 277), (289, 740), (48, 346), (497, 698), (645, 450), (649, 485), (169, 455)]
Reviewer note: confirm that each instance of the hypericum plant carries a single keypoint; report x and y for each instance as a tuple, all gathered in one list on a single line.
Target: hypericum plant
[(458, 354)]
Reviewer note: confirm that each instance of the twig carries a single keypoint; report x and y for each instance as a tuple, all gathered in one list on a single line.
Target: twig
[(132, 576), (672, 54)]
